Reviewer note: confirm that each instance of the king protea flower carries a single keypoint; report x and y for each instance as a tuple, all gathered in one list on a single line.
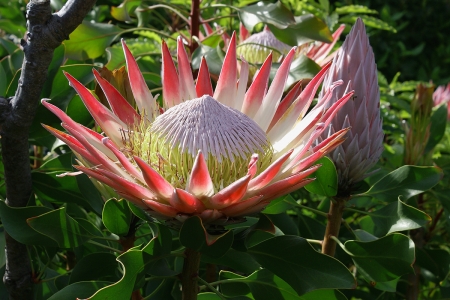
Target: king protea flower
[(355, 65), (218, 154)]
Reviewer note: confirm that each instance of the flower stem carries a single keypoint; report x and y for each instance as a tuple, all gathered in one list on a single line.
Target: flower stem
[(195, 23), (334, 217), (189, 274)]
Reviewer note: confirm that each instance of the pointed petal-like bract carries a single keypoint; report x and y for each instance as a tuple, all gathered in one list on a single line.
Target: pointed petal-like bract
[(109, 122), (144, 100), (257, 91), (171, 83), (203, 86), (185, 73), (200, 183), (120, 107), (226, 85), (355, 65)]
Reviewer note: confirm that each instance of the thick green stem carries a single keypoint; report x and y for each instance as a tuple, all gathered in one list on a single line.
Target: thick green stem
[(189, 275), (334, 225)]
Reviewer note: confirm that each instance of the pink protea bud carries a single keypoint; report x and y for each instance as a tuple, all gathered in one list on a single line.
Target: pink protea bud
[(442, 95), (354, 64)]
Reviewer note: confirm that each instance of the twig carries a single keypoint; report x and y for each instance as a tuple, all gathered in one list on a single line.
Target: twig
[(46, 31)]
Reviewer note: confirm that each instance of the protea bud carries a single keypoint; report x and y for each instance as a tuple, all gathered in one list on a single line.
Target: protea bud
[(442, 95), (418, 131), (355, 65), (258, 46)]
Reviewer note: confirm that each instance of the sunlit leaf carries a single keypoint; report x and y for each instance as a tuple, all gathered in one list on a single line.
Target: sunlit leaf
[(306, 28), (326, 182), (90, 40), (270, 13), (368, 21), (355, 9)]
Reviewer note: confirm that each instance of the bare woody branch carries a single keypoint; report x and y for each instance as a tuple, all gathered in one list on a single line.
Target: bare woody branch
[(46, 31)]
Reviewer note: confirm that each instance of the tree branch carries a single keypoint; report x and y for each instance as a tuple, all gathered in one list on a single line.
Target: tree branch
[(46, 31)]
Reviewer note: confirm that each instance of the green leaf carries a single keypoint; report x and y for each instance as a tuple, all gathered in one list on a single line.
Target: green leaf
[(3, 82), (326, 182), (58, 189), (122, 12), (355, 9), (90, 40), (214, 58), (95, 266), (60, 227), (406, 181), (398, 217), (133, 264), (9, 46), (116, 216), (307, 27), (270, 13), (79, 290), (382, 260), (78, 112), (237, 260), (194, 235), (364, 236), (295, 261), (60, 163), (369, 22), (437, 127), (15, 222), (90, 193), (161, 243), (280, 205), (324, 295), (301, 68), (437, 261), (57, 61), (263, 285)]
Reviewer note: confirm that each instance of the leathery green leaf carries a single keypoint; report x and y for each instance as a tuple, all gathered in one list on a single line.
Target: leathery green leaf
[(295, 261), (193, 235), (90, 40), (383, 260), (326, 179), (116, 216), (265, 285), (14, 220), (269, 13), (59, 226), (406, 181), (398, 217)]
